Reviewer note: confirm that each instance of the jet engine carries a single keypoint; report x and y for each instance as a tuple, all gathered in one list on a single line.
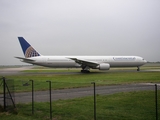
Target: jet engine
[(104, 66)]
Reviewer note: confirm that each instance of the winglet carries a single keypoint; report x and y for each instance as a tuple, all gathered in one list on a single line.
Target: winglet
[(28, 50)]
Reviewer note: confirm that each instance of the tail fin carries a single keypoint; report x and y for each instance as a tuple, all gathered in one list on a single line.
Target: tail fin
[(28, 50)]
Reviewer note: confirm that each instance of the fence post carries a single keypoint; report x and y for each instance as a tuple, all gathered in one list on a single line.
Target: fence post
[(32, 97), (4, 93), (50, 99), (94, 86), (156, 102)]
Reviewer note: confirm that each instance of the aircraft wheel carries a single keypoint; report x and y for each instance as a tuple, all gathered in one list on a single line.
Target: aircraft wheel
[(82, 71), (85, 71)]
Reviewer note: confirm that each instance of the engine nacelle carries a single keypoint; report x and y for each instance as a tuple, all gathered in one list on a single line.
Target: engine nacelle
[(104, 66)]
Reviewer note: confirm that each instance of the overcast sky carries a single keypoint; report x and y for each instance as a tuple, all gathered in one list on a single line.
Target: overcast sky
[(80, 27)]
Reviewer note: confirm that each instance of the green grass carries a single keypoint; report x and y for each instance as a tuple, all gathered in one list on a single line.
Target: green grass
[(61, 81), (120, 106)]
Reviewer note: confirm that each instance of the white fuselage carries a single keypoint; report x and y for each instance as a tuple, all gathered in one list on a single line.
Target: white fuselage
[(66, 62), (85, 62)]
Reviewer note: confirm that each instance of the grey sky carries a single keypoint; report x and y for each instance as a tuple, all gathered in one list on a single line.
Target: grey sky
[(80, 27)]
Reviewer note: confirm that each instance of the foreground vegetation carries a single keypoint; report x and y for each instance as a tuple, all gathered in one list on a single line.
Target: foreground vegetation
[(121, 106)]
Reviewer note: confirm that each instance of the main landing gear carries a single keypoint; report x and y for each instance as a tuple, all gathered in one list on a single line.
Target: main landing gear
[(138, 69), (85, 71)]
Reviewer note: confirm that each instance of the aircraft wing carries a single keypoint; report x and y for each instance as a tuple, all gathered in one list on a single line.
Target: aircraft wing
[(25, 59), (85, 62)]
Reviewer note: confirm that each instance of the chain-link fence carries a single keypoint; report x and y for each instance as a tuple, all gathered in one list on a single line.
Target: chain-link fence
[(136, 101), (129, 101), (7, 93)]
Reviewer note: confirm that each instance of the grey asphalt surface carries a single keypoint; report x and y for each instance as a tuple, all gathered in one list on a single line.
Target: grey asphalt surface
[(17, 70), (13, 70)]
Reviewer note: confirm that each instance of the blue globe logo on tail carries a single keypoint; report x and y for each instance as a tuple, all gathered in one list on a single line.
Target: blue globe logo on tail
[(28, 50)]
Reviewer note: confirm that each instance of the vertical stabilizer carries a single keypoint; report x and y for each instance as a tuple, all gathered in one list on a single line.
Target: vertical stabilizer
[(28, 50)]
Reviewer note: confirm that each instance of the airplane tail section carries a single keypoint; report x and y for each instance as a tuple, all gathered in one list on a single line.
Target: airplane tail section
[(28, 50)]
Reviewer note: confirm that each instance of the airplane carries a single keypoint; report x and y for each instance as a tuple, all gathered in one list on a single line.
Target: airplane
[(84, 62)]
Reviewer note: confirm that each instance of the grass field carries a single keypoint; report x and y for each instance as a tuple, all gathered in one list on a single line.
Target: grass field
[(61, 81), (121, 106)]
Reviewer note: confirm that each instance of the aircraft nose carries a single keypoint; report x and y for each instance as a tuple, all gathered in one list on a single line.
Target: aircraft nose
[(145, 61)]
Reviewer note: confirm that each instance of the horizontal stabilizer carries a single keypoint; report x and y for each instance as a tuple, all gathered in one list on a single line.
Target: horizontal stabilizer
[(25, 59)]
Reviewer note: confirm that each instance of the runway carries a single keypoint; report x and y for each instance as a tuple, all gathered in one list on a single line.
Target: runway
[(13, 70), (18, 70)]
